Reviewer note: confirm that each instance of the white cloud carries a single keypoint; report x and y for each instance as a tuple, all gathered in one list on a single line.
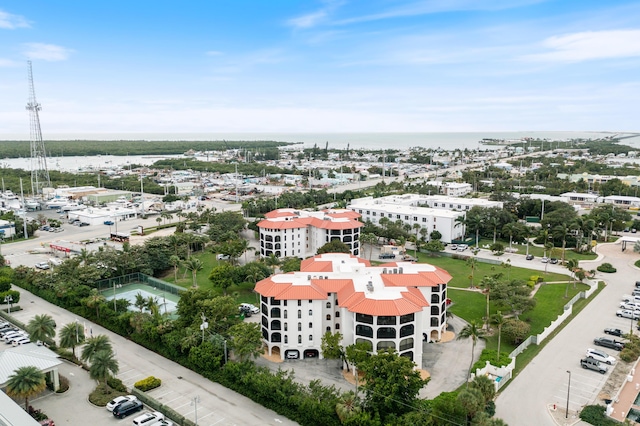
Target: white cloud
[(307, 21), (11, 22), (213, 53), (589, 45), (46, 52), (6, 63)]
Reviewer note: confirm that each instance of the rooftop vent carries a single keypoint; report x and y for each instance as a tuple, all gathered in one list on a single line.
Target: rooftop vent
[(308, 277), (370, 287), (384, 270), (400, 270)]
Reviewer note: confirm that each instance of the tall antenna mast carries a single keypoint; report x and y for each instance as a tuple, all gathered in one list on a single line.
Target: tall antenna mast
[(39, 171)]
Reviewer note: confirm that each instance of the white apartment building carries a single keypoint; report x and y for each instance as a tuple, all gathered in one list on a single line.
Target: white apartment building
[(299, 233), (408, 208), (394, 305), (456, 189)]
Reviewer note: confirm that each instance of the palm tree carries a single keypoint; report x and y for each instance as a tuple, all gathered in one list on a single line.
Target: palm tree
[(272, 262), (347, 406), (140, 302), (572, 265), (494, 221), (175, 262), (93, 345), (510, 228), (26, 382), (498, 320), (472, 330), (42, 328), (370, 239), (194, 265), (95, 299), (71, 336), (103, 365), (472, 262)]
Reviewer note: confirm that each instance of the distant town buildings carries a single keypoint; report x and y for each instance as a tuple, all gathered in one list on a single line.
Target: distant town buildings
[(394, 305), (300, 233)]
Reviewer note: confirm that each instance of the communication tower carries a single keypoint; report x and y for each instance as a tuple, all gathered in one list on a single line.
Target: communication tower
[(39, 171)]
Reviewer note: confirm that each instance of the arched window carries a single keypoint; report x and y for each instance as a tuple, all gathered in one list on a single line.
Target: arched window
[(286, 328), (406, 330), (406, 344), (386, 333), (299, 339), (386, 320), (275, 312), (285, 314), (299, 313), (328, 305), (364, 330), (275, 337), (367, 342), (328, 317), (310, 325), (329, 329), (275, 325), (337, 314), (299, 326), (337, 326), (367, 319), (286, 339), (385, 344)]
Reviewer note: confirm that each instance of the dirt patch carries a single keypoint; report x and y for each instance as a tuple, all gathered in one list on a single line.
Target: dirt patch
[(274, 357), (615, 380), (447, 336)]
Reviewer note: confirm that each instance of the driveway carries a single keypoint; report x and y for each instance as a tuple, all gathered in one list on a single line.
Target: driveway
[(544, 382)]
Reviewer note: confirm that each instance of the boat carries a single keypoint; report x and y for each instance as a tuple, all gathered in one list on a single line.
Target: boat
[(72, 206), (56, 203)]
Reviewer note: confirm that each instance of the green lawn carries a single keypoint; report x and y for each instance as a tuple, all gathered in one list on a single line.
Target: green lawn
[(470, 305), (539, 251), (460, 271), (242, 292)]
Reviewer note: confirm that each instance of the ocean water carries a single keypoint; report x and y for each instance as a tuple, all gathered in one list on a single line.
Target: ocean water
[(374, 141)]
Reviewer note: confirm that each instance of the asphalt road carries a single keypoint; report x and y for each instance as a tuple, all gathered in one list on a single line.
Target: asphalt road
[(544, 381)]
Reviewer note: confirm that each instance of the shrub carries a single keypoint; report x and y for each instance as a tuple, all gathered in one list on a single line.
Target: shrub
[(148, 383), (515, 330), (15, 295), (64, 385), (606, 267), (490, 355), (595, 415), (637, 263), (115, 383)]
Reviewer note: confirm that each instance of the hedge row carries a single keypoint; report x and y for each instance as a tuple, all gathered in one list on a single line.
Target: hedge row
[(157, 406)]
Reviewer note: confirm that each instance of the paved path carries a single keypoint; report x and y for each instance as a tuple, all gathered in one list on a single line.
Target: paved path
[(544, 381), (218, 405)]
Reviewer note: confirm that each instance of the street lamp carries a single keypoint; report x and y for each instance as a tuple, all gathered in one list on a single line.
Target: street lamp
[(204, 324), (194, 403), (8, 300), (566, 416)]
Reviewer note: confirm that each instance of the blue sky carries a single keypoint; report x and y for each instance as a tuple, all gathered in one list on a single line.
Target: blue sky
[(321, 66)]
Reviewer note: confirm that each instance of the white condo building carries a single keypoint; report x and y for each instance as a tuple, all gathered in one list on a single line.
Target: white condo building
[(433, 212), (300, 233), (394, 305)]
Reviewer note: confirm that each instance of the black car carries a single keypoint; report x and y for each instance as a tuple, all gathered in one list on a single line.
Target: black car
[(609, 343), (614, 332), (129, 407), (83, 224), (529, 257)]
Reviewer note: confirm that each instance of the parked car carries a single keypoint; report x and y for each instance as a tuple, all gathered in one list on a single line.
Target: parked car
[(628, 313), (42, 265), (83, 224), (614, 332), (453, 247), (163, 422), (601, 356), (544, 259), (630, 306), (529, 257), (637, 284), (630, 298), (608, 342), (553, 261), (252, 308), (386, 256), (126, 408), (119, 400), (147, 419), (20, 341), (462, 247), (108, 222), (222, 256), (593, 364)]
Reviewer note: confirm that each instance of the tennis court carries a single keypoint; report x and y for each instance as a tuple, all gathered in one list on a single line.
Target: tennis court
[(166, 299)]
